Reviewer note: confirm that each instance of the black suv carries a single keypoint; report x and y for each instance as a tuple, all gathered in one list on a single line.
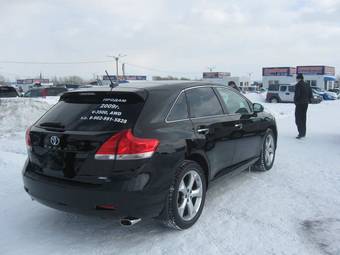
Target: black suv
[(145, 151), (8, 91)]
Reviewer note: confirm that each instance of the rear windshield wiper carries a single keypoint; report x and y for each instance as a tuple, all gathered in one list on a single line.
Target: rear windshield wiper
[(52, 125)]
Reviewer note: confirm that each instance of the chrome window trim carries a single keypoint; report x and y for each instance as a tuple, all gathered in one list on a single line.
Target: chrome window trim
[(204, 117)]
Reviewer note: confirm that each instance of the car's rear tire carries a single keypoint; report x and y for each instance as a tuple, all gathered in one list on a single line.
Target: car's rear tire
[(186, 197), (268, 151)]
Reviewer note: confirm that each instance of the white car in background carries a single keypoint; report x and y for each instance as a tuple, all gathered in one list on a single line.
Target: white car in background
[(284, 93)]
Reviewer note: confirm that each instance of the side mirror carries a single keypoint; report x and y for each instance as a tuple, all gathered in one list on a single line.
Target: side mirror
[(258, 108)]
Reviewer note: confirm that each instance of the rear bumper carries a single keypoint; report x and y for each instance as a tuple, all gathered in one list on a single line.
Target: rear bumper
[(85, 198)]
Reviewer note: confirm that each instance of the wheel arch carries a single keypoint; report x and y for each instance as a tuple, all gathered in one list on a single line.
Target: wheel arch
[(203, 162), (274, 129)]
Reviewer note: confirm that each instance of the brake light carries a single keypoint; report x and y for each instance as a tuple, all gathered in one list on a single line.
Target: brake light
[(28, 138), (125, 146)]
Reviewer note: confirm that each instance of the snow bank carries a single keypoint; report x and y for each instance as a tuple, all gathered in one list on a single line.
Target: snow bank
[(19, 113), (280, 111), (256, 97)]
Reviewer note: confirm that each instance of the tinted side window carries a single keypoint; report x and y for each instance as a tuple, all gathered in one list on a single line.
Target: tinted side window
[(203, 102), (180, 109), (283, 88), (273, 87), (291, 88), (234, 102)]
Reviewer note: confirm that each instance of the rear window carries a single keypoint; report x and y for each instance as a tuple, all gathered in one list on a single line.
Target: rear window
[(8, 92), (273, 87), (94, 112)]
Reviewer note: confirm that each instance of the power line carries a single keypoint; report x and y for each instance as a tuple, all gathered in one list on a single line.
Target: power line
[(93, 62), (158, 70), (56, 63)]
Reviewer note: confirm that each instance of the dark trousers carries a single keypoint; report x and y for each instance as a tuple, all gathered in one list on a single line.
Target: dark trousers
[(301, 117)]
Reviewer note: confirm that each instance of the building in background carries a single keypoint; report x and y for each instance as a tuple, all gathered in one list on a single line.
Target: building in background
[(318, 76), (278, 75), (122, 79), (243, 82)]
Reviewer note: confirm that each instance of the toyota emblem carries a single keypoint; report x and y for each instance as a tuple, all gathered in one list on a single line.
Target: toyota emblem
[(55, 140)]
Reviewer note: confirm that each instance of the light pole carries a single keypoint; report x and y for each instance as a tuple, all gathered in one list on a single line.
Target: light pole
[(116, 58), (211, 68)]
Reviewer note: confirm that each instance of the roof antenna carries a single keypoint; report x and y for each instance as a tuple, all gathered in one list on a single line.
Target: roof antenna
[(112, 85)]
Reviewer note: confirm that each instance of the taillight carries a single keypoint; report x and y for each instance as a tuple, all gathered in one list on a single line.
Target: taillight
[(125, 146), (28, 138)]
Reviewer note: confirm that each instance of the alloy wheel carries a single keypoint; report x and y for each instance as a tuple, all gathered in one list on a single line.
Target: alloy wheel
[(269, 151), (189, 197)]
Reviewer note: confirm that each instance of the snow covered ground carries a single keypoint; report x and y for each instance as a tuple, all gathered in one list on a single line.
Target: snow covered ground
[(292, 209)]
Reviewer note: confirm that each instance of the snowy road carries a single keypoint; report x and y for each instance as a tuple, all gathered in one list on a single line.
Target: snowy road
[(292, 209)]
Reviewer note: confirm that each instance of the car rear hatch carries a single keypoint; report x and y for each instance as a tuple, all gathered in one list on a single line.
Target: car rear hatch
[(65, 141)]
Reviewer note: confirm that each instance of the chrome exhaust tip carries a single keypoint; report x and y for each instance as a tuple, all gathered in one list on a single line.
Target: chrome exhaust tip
[(129, 221)]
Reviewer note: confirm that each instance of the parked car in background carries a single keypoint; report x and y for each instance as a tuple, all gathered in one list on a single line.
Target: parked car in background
[(43, 92), (337, 91), (146, 151), (317, 99), (284, 93), (8, 91), (327, 95), (280, 93), (77, 86)]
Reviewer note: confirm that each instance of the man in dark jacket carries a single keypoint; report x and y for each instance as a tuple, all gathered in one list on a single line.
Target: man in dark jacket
[(302, 97)]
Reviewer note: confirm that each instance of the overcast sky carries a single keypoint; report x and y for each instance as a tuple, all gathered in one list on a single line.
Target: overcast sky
[(167, 37)]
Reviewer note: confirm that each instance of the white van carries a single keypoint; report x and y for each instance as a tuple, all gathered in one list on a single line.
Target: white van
[(284, 93), (280, 93)]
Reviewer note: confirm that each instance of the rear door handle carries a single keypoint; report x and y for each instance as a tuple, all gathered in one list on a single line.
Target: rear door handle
[(239, 126), (203, 131)]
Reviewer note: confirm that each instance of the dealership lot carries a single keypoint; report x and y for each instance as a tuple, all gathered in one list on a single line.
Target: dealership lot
[(292, 209)]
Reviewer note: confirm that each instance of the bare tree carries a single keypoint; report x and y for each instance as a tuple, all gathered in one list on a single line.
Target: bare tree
[(70, 80)]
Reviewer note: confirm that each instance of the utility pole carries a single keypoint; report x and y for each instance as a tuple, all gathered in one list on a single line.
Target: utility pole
[(123, 70), (211, 68), (116, 58)]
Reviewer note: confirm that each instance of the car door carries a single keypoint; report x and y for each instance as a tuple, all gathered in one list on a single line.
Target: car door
[(213, 128), (291, 90), (284, 93), (247, 137)]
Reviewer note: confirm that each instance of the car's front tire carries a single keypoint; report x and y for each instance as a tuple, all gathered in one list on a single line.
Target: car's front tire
[(268, 152), (186, 197)]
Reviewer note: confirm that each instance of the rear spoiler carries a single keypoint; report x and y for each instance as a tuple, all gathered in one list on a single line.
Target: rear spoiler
[(103, 93)]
